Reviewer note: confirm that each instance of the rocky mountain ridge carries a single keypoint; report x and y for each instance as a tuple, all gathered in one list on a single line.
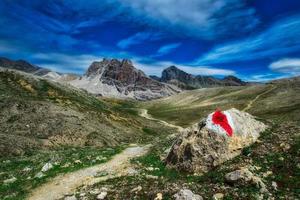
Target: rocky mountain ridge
[(120, 79), (24, 66), (184, 80)]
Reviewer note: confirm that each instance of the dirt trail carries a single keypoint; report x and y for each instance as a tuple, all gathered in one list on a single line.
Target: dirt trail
[(249, 105), (144, 113), (67, 183)]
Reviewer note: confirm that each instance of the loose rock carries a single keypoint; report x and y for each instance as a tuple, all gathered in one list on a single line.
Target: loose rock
[(47, 167), (102, 195), (186, 194)]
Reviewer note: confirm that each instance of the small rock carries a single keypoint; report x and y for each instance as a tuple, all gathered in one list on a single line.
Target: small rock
[(218, 196), (151, 177), (95, 191), (267, 173), (102, 195), (244, 176), (47, 167), (66, 165), (77, 161), (186, 194), (281, 158), (274, 185), (149, 168), (10, 180), (159, 196), (70, 198), (82, 194), (137, 189), (27, 169), (39, 175)]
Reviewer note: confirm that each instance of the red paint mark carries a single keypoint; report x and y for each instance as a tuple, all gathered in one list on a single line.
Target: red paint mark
[(221, 119)]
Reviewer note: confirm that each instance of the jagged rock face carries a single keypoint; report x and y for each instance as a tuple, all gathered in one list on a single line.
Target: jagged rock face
[(209, 143), (121, 79), (184, 80)]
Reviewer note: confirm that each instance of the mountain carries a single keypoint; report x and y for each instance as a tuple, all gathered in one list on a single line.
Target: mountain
[(25, 66), (120, 79), (18, 65), (181, 79)]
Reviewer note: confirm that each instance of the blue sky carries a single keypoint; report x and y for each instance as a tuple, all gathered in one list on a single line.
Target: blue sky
[(257, 40)]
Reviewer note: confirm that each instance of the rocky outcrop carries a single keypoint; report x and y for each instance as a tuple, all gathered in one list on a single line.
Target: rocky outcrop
[(175, 76), (214, 140), (120, 79)]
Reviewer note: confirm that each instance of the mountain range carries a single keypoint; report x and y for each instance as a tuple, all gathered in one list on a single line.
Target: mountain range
[(120, 79), (183, 80)]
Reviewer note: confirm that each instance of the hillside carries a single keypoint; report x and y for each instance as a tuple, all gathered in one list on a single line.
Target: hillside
[(37, 113), (278, 100)]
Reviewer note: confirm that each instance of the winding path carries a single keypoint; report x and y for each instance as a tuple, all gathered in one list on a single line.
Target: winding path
[(249, 105), (67, 183), (144, 113)]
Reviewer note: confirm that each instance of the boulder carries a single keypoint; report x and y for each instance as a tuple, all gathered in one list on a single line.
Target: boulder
[(186, 194), (214, 140)]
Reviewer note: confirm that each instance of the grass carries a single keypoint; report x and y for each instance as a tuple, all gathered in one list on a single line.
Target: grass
[(63, 161)]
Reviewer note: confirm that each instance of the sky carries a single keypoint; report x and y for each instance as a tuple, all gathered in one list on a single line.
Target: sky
[(256, 40)]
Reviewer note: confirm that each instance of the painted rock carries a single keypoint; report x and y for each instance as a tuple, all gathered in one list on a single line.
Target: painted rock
[(219, 137)]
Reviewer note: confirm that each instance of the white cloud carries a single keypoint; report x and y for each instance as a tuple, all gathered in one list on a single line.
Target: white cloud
[(287, 65), (138, 38), (204, 18), (167, 49), (281, 38), (157, 68), (63, 62), (264, 77)]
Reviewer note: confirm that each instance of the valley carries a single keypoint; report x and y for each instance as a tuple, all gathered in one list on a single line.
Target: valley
[(85, 141)]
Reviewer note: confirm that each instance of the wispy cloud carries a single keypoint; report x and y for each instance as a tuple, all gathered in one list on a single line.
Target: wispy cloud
[(280, 39), (138, 38), (201, 18), (287, 65), (264, 77), (155, 68), (64, 62), (163, 50)]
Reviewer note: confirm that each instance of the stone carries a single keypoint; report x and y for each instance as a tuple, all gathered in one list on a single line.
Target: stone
[(47, 167), (137, 189), (70, 198), (244, 177), (77, 161), (274, 185), (159, 196), (185, 194), (218, 196), (206, 145), (95, 191), (10, 180), (39, 175), (102, 195)]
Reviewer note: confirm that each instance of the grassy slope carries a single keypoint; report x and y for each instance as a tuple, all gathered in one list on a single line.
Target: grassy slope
[(186, 108), (42, 121)]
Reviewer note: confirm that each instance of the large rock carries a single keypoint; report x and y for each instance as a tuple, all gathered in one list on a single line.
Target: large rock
[(210, 142)]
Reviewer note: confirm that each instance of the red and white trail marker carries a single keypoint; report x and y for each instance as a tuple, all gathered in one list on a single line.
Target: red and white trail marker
[(220, 122)]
